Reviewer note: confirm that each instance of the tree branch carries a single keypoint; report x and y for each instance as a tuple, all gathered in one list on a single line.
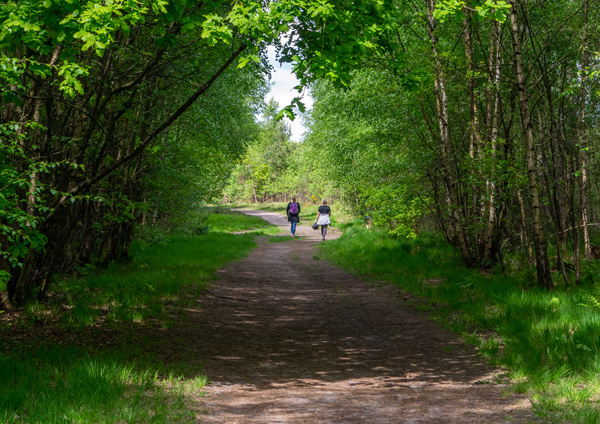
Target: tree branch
[(84, 185)]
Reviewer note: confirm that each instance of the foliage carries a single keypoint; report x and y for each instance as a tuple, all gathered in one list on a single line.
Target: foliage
[(495, 9), (366, 152), (19, 232), (449, 143), (264, 170), (17, 228), (194, 162), (53, 203)]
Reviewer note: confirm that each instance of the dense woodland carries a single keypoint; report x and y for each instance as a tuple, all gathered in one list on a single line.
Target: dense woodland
[(473, 119)]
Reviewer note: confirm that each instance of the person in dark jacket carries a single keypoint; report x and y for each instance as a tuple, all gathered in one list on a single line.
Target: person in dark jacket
[(293, 214)]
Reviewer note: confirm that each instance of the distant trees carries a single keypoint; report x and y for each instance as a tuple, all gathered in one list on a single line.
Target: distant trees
[(263, 172), (359, 141), (191, 161)]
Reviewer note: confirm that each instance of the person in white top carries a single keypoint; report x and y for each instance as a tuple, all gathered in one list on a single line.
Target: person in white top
[(323, 218)]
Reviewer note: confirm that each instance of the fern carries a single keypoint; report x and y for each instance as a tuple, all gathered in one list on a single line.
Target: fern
[(593, 296)]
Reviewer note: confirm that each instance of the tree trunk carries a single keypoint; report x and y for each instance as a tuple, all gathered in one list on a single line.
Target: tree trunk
[(583, 182), (474, 134), (524, 233), (492, 124), (4, 266), (539, 242), (444, 128)]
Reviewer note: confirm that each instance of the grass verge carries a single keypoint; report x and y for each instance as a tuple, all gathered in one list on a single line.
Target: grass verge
[(161, 272), (89, 353), (228, 222), (68, 385), (548, 340)]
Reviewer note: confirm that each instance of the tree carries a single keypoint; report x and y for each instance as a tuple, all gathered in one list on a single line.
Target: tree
[(361, 147)]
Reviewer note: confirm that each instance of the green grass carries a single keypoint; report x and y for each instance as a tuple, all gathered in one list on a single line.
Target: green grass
[(158, 271), (232, 222), (548, 340), (162, 265), (269, 207), (67, 385), (52, 380)]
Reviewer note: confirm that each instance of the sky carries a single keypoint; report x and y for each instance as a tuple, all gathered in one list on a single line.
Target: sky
[(283, 92)]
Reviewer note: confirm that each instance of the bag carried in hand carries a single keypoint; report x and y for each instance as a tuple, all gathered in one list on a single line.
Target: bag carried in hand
[(315, 226), (294, 208)]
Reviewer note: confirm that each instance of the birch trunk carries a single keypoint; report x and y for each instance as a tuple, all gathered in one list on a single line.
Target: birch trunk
[(492, 124), (475, 137), (583, 184), (444, 128), (539, 242)]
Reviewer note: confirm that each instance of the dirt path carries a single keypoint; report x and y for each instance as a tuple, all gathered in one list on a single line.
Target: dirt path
[(287, 338)]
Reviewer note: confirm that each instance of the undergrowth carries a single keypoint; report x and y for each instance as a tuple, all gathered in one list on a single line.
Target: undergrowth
[(548, 340)]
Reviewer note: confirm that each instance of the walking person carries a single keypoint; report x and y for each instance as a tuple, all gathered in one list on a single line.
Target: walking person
[(323, 218), (293, 214)]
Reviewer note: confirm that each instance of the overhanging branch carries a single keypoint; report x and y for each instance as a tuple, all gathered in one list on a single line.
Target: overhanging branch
[(84, 185)]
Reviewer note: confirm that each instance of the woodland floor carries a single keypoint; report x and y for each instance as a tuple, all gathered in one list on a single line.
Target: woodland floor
[(287, 338)]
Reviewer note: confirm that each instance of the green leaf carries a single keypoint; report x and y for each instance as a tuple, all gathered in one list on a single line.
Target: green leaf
[(4, 279)]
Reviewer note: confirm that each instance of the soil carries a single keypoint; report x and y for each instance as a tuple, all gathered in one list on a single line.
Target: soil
[(285, 337)]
